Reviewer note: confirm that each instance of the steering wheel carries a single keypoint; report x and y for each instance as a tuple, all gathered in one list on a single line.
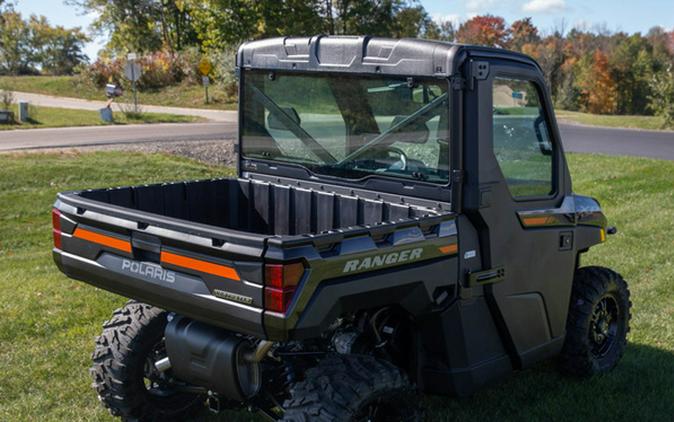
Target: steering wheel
[(402, 158)]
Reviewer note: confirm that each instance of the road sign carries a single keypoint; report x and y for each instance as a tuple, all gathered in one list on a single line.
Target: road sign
[(132, 71), (131, 56), (205, 66), (205, 81)]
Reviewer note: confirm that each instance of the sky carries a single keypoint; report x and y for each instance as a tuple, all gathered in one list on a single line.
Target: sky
[(614, 15)]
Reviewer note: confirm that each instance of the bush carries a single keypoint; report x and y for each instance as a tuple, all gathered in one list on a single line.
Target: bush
[(662, 97), (160, 69), (6, 99)]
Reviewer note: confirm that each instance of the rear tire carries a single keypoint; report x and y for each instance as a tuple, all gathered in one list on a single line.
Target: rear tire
[(346, 388), (123, 369), (597, 324)]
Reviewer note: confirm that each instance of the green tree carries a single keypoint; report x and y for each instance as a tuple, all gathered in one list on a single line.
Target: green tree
[(15, 51), (141, 25), (414, 21), (662, 95), (55, 49), (631, 64)]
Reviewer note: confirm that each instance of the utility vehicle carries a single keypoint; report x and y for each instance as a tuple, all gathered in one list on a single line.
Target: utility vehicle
[(403, 222)]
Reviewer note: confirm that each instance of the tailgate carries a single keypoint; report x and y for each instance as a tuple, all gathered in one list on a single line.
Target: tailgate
[(200, 271)]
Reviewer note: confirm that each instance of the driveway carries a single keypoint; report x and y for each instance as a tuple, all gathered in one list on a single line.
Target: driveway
[(611, 141), (76, 103), (23, 139)]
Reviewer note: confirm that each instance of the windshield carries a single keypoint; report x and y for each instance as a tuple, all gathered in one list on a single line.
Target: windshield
[(348, 126)]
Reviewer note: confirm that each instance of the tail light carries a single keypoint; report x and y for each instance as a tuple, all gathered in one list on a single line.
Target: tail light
[(281, 281), (56, 227)]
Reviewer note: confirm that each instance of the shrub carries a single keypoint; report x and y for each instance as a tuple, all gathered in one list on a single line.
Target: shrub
[(6, 99), (662, 97), (160, 69)]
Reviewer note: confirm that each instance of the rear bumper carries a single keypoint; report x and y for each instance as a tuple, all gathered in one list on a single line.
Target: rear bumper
[(177, 292)]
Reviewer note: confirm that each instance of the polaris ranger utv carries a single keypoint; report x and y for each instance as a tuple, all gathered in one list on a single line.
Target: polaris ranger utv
[(403, 221)]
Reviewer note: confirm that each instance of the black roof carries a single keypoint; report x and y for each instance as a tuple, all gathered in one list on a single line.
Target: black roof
[(365, 54)]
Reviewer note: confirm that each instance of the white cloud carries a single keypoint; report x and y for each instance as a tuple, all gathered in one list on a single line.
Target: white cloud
[(439, 18), (536, 6), (479, 5)]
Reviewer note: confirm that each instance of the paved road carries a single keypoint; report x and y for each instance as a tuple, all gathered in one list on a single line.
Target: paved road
[(13, 140), (641, 143), (576, 138), (76, 103)]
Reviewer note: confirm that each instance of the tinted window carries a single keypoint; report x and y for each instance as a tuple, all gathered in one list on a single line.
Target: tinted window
[(521, 138), (348, 126)]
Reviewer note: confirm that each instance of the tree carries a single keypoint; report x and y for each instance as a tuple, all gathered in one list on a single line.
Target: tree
[(27, 47), (15, 56), (597, 87), (141, 25), (523, 32), (55, 49), (662, 95), (631, 63), (415, 22), (484, 30)]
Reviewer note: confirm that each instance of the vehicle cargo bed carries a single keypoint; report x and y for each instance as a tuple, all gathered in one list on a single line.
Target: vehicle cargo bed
[(256, 207)]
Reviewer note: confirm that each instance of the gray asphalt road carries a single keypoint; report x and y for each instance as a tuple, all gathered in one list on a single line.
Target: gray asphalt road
[(109, 135), (640, 143), (576, 138)]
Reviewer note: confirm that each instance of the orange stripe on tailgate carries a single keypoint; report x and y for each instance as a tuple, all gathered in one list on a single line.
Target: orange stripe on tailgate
[(104, 240), (199, 265)]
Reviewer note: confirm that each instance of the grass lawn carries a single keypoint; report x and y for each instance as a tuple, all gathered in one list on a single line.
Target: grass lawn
[(43, 117), (70, 86), (634, 122), (48, 322)]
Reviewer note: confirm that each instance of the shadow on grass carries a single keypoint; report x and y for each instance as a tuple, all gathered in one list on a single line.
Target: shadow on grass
[(641, 387)]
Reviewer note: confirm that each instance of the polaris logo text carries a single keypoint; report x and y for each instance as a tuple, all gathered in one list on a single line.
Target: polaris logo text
[(377, 261), (148, 270)]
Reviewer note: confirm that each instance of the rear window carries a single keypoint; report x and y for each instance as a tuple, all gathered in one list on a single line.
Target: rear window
[(348, 126)]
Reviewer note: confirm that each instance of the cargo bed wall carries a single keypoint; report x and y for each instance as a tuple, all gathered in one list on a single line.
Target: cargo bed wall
[(255, 207)]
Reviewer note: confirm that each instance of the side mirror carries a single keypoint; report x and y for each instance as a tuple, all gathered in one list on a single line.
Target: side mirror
[(543, 136), (273, 122)]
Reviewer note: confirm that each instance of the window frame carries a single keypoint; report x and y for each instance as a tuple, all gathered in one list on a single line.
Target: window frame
[(539, 85)]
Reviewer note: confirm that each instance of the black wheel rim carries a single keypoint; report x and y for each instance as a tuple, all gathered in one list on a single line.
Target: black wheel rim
[(604, 325), (157, 383)]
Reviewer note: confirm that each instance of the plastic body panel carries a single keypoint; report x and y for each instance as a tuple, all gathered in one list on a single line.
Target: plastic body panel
[(325, 228)]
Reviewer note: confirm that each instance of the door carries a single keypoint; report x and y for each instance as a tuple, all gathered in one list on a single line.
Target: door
[(528, 263)]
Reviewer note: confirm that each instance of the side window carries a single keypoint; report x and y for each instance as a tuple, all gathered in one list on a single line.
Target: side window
[(522, 142)]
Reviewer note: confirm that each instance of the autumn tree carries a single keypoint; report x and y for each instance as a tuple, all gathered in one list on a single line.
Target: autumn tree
[(598, 88), (484, 30), (523, 32)]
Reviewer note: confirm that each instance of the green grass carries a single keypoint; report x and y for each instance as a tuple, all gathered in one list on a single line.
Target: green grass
[(71, 86), (628, 121), (48, 322), (44, 117)]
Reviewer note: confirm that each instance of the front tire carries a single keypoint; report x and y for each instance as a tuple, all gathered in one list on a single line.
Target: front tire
[(597, 324), (346, 388), (123, 369)]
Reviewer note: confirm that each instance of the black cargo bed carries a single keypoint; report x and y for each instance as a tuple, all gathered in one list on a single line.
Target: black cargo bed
[(256, 207)]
